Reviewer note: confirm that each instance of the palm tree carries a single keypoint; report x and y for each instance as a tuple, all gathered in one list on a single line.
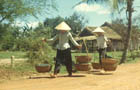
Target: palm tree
[(129, 29), (115, 6)]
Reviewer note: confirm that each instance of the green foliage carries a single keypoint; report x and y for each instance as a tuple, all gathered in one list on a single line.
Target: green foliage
[(134, 54), (76, 22), (22, 44), (13, 9), (52, 23), (6, 37), (8, 42), (15, 39), (39, 52), (43, 31), (12, 39)]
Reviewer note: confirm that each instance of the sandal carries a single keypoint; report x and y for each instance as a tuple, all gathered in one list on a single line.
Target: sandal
[(53, 76)]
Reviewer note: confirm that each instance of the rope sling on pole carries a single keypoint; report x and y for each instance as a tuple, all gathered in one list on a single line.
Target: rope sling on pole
[(82, 61), (85, 47)]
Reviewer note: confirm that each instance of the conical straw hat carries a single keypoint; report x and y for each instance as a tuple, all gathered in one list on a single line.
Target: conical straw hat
[(99, 30), (63, 26)]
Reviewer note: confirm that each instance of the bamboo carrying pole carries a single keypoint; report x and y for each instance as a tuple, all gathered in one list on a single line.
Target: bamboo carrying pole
[(86, 47)]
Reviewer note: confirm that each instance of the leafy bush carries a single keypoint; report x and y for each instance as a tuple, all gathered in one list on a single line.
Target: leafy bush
[(39, 52), (134, 54), (22, 44), (8, 43)]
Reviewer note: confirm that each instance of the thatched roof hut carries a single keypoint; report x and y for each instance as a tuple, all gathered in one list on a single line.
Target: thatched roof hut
[(88, 34), (85, 38)]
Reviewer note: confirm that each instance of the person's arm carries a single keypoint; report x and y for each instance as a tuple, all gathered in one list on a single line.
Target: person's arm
[(105, 38), (74, 42), (50, 40), (97, 43), (108, 41), (53, 39)]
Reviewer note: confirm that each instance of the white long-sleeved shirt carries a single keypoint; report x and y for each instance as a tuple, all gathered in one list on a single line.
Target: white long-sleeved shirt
[(101, 41), (63, 40)]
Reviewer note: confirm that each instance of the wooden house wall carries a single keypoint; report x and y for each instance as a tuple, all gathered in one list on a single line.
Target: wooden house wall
[(92, 46)]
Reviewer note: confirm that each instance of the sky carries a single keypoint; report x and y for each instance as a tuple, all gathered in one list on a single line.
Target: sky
[(95, 14)]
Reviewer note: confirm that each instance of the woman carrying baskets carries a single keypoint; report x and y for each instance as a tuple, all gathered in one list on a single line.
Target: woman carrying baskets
[(63, 56), (101, 43)]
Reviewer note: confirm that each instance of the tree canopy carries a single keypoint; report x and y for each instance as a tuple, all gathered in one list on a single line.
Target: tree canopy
[(12, 9), (75, 21)]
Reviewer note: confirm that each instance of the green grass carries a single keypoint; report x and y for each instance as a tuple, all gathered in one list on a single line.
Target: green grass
[(25, 67), (8, 54), (115, 55), (95, 57), (20, 67)]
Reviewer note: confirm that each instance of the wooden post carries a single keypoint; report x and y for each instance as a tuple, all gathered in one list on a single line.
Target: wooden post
[(12, 61), (113, 52)]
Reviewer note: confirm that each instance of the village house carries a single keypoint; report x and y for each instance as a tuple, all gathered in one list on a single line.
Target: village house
[(90, 38), (135, 36)]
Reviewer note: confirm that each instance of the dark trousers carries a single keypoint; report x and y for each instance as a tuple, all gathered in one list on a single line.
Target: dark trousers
[(102, 54), (63, 57)]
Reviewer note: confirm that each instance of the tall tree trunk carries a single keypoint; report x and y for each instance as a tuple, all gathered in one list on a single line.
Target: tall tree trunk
[(126, 45)]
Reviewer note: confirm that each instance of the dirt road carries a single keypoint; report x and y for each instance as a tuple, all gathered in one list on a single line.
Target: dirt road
[(126, 77)]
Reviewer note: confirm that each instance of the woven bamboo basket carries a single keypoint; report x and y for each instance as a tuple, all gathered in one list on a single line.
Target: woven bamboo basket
[(109, 64), (109, 61), (96, 65), (42, 68), (82, 67), (110, 67), (83, 59)]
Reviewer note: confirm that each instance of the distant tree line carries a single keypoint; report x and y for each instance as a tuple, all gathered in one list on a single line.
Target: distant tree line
[(21, 38), (14, 37)]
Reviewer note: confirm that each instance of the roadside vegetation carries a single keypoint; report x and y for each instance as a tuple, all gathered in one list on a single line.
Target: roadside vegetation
[(24, 68)]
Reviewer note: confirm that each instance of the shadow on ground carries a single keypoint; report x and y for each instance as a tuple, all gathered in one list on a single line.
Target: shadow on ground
[(100, 73), (60, 76)]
